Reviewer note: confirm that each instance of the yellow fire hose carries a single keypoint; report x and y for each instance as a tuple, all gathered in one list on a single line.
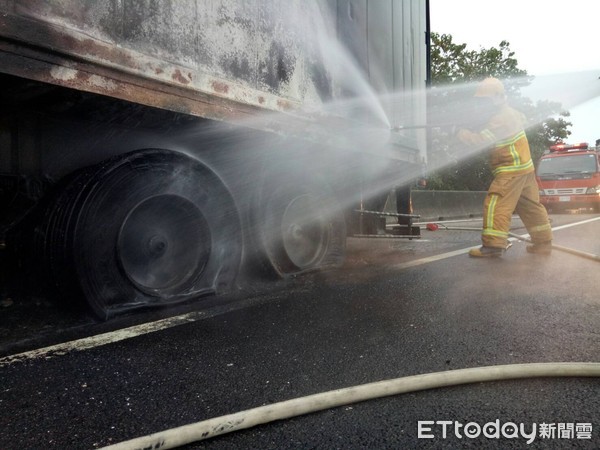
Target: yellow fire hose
[(187, 434)]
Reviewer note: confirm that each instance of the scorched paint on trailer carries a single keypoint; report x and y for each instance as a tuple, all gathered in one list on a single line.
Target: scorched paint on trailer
[(226, 114)]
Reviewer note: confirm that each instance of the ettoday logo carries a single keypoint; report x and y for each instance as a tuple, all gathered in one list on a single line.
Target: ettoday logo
[(429, 429)]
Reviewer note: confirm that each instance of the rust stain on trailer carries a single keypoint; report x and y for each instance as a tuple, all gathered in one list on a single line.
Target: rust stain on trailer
[(79, 78), (103, 68), (104, 59), (284, 105), (90, 49), (104, 81), (178, 76), (220, 87), (102, 51)]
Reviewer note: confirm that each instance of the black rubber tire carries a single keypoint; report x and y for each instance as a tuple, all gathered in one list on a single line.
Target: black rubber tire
[(302, 226), (150, 228)]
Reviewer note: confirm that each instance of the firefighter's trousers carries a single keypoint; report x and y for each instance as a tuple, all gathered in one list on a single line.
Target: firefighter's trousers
[(514, 193)]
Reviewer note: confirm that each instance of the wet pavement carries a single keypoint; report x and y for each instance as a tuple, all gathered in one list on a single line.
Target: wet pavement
[(396, 308)]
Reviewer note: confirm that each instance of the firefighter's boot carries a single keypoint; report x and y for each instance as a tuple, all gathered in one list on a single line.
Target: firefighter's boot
[(486, 252), (540, 248)]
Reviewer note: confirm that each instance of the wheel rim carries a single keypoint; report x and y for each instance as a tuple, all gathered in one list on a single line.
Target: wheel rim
[(164, 244), (304, 232)]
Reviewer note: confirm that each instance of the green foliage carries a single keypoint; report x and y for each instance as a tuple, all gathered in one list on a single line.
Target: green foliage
[(453, 66), (453, 63)]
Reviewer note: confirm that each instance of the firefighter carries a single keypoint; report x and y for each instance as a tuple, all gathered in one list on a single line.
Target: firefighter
[(514, 187)]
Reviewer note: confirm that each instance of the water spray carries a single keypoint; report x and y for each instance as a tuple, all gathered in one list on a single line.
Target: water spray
[(437, 226), (578, 90)]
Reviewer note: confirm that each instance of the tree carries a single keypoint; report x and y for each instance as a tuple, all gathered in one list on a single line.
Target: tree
[(455, 71), (453, 63)]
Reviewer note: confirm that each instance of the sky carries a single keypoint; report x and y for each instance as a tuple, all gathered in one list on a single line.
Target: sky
[(548, 37)]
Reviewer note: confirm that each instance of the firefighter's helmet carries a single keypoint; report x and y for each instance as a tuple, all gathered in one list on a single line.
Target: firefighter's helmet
[(490, 87)]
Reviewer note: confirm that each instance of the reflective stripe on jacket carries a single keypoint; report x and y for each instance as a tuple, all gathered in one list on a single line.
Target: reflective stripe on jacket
[(505, 134), (512, 156)]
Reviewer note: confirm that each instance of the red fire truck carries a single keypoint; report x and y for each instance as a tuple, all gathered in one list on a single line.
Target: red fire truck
[(569, 177)]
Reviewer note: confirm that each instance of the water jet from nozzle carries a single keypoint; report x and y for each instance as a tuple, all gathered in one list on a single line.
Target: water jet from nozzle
[(410, 127)]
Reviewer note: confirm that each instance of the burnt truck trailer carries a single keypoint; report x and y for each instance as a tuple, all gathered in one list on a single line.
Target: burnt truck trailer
[(153, 152)]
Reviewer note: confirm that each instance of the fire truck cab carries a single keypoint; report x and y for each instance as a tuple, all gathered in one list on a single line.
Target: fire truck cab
[(569, 177)]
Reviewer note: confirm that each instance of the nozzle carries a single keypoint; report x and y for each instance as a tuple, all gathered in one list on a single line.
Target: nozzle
[(410, 127)]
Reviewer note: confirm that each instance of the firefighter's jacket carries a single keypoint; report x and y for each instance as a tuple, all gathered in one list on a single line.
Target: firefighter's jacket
[(505, 134), (514, 187)]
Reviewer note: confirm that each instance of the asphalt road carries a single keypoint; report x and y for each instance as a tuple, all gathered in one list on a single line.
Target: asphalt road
[(397, 308)]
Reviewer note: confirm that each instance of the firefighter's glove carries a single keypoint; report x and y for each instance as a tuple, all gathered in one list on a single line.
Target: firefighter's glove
[(467, 137)]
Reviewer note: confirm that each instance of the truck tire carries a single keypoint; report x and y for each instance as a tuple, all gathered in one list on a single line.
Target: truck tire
[(302, 226), (150, 228)]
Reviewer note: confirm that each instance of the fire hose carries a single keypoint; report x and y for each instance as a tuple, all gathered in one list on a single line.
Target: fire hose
[(205, 429), (437, 226)]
